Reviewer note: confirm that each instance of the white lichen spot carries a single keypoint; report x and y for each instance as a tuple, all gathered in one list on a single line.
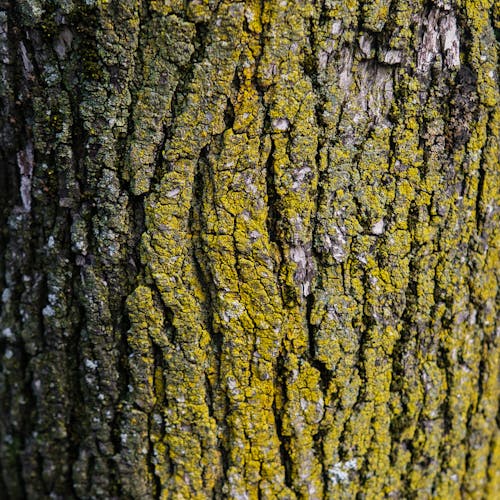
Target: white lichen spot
[(378, 227), (91, 365), (48, 311), (123, 438), (113, 249), (254, 235), (339, 473), (6, 294), (336, 27), (7, 333), (234, 311), (80, 245), (231, 383), (250, 15), (8, 353), (281, 124), (251, 187), (473, 317), (25, 163), (298, 255), (305, 267), (173, 193), (37, 386), (51, 74), (335, 244), (299, 175), (246, 215)]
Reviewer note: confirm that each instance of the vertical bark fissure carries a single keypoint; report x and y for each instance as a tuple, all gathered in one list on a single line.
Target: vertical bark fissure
[(272, 201), (284, 441), (204, 277)]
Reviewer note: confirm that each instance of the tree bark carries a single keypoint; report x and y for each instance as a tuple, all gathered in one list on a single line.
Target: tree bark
[(249, 249)]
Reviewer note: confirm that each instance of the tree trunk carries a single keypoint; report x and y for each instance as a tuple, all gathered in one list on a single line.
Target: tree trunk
[(249, 249)]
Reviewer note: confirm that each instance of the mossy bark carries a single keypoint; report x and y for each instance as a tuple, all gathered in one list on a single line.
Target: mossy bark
[(249, 249)]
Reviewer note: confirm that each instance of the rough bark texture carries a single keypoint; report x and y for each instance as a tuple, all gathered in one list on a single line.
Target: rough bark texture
[(249, 249)]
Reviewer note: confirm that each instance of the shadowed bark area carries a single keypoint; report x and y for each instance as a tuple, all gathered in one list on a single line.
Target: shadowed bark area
[(249, 249)]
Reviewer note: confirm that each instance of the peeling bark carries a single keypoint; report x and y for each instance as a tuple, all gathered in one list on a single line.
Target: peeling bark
[(249, 249)]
